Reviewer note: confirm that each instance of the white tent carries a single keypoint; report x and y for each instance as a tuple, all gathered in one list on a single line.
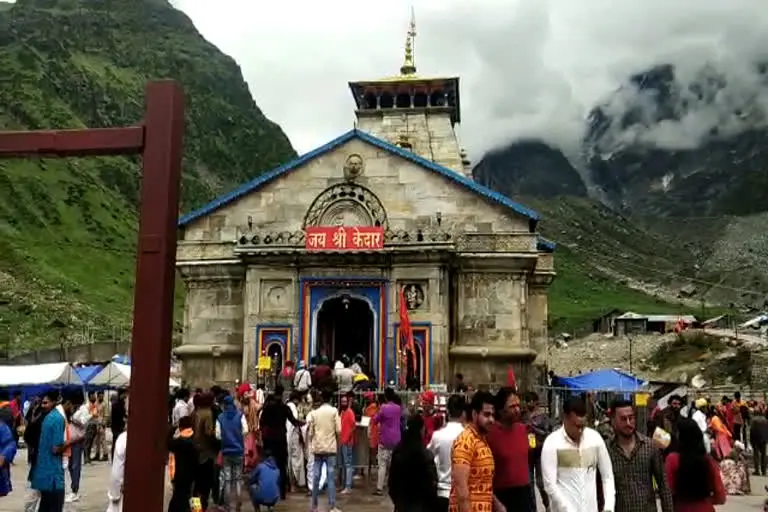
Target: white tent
[(37, 374), (118, 375)]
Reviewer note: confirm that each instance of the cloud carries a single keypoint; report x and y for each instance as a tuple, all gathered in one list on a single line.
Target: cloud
[(528, 68)]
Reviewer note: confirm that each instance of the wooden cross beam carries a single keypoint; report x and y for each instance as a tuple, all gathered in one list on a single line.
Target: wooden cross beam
[(159, 140)]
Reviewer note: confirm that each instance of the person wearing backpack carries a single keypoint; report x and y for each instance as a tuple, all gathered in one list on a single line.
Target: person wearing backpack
[(302, 380)]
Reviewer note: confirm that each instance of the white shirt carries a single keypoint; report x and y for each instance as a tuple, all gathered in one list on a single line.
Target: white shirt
[(302, 381), (117, 474), (180, 410), (441, 446), (569, 471), (79, 422), (701, 420)]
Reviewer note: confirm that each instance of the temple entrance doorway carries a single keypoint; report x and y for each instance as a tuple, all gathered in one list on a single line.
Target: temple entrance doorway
[(345, 327)]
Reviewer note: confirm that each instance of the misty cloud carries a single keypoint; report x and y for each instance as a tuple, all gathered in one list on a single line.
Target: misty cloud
[(528, 68)]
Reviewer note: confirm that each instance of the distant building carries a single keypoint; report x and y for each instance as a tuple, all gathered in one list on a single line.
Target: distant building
[(605, 323), (630, 323)]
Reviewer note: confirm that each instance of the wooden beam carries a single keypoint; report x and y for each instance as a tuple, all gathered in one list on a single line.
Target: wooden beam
[(63, 143), (153, 298)]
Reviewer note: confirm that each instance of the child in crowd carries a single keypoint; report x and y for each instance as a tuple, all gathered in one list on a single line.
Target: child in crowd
[(264, 484)]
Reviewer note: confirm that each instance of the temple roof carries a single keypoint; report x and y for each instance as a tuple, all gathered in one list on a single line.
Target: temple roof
[(458, 179)]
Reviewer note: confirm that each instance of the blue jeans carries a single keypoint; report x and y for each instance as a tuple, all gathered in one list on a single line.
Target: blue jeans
[(76, 466), (347, 454), (317, 469)]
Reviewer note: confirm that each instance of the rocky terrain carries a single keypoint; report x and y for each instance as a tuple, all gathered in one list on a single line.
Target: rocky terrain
[(680, 156), (720, 356)]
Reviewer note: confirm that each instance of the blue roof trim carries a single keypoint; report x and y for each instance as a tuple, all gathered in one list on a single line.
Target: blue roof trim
[(265, 178), (544, 245), (247, 188), (452, 175)]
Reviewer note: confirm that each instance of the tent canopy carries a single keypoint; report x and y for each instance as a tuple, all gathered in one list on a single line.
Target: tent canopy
[(88, 372), (38, 374), (601, 380), (117, 375)]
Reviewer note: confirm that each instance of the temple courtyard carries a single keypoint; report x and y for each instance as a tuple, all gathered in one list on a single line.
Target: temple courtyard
[(96, 478)]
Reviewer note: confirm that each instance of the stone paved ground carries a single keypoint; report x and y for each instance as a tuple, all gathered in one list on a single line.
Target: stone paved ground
[(96, 476)]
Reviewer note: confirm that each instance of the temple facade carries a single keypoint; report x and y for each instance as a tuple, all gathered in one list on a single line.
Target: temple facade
[(319, 255)]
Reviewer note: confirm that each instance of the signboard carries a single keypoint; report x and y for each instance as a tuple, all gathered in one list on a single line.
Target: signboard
[(344, 238), (265, 363)]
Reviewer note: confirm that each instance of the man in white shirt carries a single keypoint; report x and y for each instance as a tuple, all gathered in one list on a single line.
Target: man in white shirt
[(570, 459), (302, 381), (441, 445), (696, 414), (323, 429), (181, 408)]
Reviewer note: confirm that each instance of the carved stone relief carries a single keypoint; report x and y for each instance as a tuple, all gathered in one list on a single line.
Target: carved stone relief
[(414, 295), (344, 204), (275, 295), (353, 167)]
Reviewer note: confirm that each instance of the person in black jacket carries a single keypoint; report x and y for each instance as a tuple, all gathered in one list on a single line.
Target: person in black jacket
[(117, 419), (758, 437), (273, 433), (412, 474), (182, 447), (35, 417)]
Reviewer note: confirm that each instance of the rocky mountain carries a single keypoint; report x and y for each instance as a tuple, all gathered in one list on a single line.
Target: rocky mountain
[(680, 155), (68, 227)]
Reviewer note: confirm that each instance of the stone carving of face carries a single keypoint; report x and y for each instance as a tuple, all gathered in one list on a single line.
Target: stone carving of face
[(353, 167)]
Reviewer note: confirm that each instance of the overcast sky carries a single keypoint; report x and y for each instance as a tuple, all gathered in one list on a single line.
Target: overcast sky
[(527, 67)]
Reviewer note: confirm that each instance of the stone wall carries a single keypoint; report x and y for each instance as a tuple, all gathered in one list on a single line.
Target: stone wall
[(213, 323), (410, 194), (430, 133), (492, 325), (99, 351)]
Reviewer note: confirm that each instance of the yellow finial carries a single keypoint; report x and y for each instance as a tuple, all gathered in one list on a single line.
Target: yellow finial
[(409, 64)]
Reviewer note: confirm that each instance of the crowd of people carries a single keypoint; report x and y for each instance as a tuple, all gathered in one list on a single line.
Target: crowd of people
[(491, 452), (61, 434), (730, 429)]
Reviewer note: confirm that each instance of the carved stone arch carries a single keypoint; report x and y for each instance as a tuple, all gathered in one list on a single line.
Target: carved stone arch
[(346, 204)]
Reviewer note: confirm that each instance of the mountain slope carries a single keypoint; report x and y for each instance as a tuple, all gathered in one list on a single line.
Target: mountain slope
[(68, 227), (679, 159)]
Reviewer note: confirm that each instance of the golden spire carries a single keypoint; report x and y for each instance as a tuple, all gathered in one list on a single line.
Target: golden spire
[(409, 65)]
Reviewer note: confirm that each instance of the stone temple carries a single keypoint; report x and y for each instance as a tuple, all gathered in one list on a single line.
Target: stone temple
[(310, 258)]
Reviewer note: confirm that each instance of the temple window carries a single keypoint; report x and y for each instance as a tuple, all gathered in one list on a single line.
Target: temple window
[(437, 99), (420, 100), (403, 100), (369, 101), (386, 100)]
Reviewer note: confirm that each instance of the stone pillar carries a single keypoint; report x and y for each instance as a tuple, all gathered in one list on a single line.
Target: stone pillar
[(538, 313), (492, 330), (212, 347)]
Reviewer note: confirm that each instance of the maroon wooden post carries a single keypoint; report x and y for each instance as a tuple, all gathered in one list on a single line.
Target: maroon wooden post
[(153, 299), (159, 139)]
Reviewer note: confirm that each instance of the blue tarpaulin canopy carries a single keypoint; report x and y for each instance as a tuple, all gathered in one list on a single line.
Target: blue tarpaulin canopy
[(601, 380), (87, 372)]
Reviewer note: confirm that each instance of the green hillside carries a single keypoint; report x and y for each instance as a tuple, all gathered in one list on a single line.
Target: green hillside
[(68, 227), (599, 253)]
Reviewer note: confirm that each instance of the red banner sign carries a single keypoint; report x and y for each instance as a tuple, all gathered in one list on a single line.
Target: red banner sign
[(343, 238)]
